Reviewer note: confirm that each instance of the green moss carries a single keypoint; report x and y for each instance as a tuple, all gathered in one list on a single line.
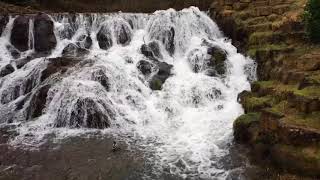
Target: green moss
[(264, 38), (156, 84), (305, 120), (312, 20), (312, 91), (247, 119), (255, 103)]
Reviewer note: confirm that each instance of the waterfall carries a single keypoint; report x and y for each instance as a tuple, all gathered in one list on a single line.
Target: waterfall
[(167, 80)]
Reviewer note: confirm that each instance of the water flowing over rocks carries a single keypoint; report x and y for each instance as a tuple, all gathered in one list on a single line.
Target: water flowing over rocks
[(140, 77)]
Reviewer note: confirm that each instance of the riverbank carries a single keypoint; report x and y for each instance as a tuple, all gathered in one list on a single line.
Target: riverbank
[(282, 120)]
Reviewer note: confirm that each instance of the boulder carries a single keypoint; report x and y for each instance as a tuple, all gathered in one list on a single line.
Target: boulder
[(123, 34), (20, 33), (73, 50), (104, 38), (38, 102), (145, 67), (60, 64), (87, 113), (101, 77), (164, 72), (7, 69), (13, 52), (44, 38), (84, 41), (4, 19), (151, 50), (217, 61), (246, 128)]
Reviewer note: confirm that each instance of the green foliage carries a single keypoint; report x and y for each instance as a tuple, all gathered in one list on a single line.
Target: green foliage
[(312, 20)]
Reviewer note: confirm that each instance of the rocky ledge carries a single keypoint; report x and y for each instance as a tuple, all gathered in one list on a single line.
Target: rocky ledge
[(282, 121)]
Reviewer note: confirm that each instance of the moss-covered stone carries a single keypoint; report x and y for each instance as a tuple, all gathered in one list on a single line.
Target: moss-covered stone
[(246, 127)]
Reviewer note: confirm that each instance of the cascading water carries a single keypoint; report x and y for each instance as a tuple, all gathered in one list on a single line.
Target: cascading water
[(167, 80)]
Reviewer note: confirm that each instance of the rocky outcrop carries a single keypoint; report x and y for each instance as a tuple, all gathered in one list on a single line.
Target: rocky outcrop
[(44, 37), (282, 111), (20, 33)]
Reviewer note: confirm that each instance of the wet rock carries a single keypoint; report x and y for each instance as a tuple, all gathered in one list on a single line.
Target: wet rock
[(104, 38), (55, 65), (73, 50), (44, 38), (218, 59), (124, 34), (10, 94), (197, 60), (20, 33), (13, 51), (86, 113), (101, 77), (7, 69), (167, 38), (85, 42), (4, 19), (151, 51), (147, 51), (21, 62), (145, 67), (38, 102), (164, 72)]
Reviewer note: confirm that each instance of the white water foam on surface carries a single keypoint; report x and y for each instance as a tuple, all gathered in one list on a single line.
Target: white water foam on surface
[(187, 124)]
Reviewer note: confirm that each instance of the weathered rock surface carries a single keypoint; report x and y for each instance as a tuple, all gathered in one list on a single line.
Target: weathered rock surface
[(44, 38), (20, 33)]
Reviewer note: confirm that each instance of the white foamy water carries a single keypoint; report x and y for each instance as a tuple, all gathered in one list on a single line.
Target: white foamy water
[(186, 125)]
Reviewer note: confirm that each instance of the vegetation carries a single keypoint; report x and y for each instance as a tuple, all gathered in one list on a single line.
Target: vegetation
[(312, 20)]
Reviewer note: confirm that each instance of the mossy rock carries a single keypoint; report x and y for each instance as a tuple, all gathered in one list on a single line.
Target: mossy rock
[(297, 159), (218, 60), (156, 84), (246, 127)]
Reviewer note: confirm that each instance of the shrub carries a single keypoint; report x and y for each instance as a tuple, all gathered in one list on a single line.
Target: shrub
[(312, 20)]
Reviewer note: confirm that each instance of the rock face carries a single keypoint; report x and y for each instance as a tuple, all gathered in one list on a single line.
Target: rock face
[(145, 67), (104, 38), (44, 38), (20, 33)]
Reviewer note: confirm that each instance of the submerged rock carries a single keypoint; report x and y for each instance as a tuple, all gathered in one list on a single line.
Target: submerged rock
[(145, 67), (20, 33), (164, 72), (73, 50), (44, 37), (217, 61), (152, 50), (101, 77), (13, 52), (84, 41), (7, 69), (104, 38)]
